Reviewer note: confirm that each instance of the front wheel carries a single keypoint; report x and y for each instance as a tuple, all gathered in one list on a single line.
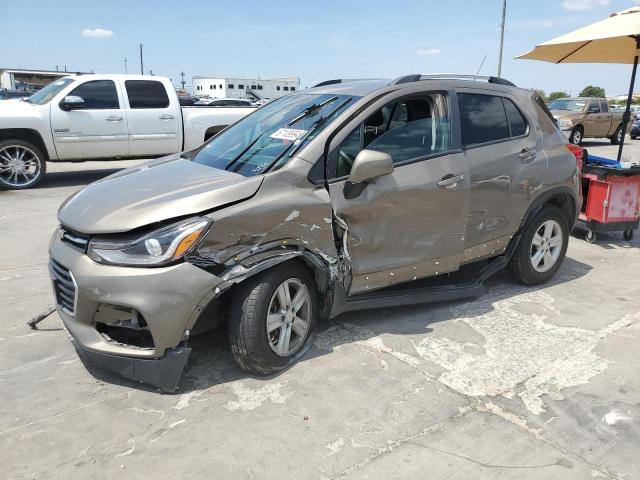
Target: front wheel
[(576, 136), (272, 317), (542, 247), (22, 165)]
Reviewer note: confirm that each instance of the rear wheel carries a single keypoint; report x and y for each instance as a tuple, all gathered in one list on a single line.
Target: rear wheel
[(576, 135), (616, 138), (542, 247), (272, 317), (22, 165), (628, 234)]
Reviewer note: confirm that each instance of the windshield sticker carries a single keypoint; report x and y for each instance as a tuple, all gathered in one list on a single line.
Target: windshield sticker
[(290, 134)]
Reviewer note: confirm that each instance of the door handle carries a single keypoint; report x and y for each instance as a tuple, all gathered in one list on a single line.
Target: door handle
[(450, 180), (165, 116), (113, 118), (527, 153)]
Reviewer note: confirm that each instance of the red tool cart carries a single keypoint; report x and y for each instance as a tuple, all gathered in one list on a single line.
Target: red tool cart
[(611, 198)]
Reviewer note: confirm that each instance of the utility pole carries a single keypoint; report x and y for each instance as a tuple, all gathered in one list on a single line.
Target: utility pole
[(504, 15), (182, 82), (125, 65), (141, 64)]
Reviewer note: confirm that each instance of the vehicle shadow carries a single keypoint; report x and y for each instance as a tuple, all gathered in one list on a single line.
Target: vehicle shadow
[(211, 362), (77, 178), (609, 240)]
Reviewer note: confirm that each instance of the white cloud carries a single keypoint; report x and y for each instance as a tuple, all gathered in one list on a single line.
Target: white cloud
[(428, 51), (573, 5), (97, 33)]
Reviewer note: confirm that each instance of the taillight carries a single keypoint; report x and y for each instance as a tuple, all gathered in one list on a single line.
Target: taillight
[(577, 152)]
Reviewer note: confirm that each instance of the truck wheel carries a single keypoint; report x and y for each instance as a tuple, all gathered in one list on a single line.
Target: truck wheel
[(272, 317), (628, 234), (616, 138), (22, 165), (576, 135), (542, 247)]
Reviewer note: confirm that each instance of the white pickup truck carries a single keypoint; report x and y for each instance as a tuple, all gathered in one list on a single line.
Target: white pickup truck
[(100, 117)]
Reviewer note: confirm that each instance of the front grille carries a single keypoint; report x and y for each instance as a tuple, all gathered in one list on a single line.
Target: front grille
[(79, 241), (64, 287)]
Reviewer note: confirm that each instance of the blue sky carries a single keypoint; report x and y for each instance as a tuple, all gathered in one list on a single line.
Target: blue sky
[(327, 39)]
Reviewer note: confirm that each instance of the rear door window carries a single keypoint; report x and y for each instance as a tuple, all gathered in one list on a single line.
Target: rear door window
[(146, 94), (98, 95), (483, 119)]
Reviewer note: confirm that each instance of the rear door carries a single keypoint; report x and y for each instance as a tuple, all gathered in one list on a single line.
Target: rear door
[(155, 118), (98, 129), (507, 163), (409, 224)]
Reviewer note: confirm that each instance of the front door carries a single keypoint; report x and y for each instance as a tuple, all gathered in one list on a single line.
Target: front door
[(97, 129), (155, 120), (409, 224), (598, 122)]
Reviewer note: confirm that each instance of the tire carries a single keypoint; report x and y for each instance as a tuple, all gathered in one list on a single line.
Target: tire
[(628, 234), (521, 266), (616, 138), (590, 236), (254, 349), (633, 137), (22, 165), (576, 135)]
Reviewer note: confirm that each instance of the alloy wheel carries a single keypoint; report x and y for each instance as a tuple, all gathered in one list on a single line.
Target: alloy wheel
[(546, 246), (289, 317), (19, 166)]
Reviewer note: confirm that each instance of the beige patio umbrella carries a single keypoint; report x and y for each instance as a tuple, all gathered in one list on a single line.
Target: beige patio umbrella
[(614, 40)]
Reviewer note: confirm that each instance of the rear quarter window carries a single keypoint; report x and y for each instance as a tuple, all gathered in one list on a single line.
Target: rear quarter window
[(146, 94)]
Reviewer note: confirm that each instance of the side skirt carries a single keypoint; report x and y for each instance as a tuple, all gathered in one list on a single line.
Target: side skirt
[(408, 294)]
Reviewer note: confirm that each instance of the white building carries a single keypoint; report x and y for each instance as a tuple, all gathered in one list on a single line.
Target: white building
[(249, 88)]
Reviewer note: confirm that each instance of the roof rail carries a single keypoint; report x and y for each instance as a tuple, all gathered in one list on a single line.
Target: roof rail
[(450, 76), (341, 80)]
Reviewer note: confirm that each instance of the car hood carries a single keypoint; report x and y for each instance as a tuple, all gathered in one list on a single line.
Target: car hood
[(14, 107), (166, 188)]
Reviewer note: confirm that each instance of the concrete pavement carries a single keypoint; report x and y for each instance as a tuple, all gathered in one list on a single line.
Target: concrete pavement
[(522, 383)]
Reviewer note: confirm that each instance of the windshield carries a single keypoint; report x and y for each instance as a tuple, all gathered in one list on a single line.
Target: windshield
[(570, 105), (266, 139), (47, 93)]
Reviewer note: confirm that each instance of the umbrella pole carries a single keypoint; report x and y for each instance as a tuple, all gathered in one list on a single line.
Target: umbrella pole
[(626, 117)]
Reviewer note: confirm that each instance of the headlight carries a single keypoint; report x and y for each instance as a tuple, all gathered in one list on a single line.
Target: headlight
[(159, 247), (564, 123)]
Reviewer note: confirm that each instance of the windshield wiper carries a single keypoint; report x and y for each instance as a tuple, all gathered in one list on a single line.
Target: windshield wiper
[(309, 110), (317, 124)]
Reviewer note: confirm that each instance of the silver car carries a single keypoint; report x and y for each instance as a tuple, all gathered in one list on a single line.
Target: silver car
[(349, 195)]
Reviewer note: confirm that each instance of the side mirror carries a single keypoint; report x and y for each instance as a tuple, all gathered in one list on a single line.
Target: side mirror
[(370, 164), (72, 102)]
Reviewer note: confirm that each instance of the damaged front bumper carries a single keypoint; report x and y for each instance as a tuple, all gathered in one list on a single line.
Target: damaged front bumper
[(133, 321)]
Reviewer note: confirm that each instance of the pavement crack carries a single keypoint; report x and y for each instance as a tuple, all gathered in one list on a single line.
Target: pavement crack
[(560, 462), (392, 446)]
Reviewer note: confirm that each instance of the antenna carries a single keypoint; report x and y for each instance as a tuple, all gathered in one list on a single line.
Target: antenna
[(481, 64), (182, 82), (125, 65)]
